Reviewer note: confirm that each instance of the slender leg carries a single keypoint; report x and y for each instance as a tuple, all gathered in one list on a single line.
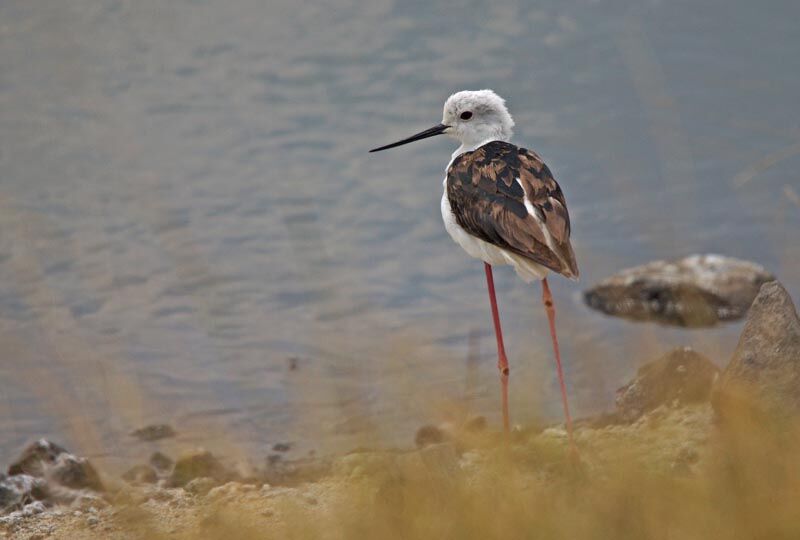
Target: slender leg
[(549, 306), (502, 361)]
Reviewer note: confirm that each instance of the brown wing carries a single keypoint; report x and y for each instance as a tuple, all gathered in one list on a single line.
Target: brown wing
[(488, 189)]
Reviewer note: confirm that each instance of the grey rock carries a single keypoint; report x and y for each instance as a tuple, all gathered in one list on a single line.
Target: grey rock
[(681, 376), (696, 291), (154, 432), (764, 372), (46, 459), (18, 490)]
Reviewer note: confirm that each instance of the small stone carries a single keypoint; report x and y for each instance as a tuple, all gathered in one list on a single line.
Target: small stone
[(160, 462), (140, 474), (36, 507), (554, 432), (16, 490), (223, 492), (196, 465), (680, 377), (11, 520), (200, 486), (153, 432), (429, 434), (281, 447)]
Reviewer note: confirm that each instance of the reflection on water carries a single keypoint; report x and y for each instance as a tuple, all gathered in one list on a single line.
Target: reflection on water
[(186, 202)]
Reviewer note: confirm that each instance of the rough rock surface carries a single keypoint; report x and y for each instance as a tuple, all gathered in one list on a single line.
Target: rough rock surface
[(765, 368), (43, 476), (696, 291), (682, 376), (46, 459), (18, 490)]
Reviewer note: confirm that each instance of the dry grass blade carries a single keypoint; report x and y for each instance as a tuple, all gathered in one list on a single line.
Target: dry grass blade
[(765, 163)]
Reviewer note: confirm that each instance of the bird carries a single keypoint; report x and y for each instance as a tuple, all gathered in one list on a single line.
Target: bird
[(502, 205)]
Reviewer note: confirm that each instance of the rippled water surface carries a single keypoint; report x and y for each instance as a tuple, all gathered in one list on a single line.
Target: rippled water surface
[(192, 232)]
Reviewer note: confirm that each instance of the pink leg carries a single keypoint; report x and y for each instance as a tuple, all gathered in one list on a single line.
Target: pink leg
[(549, 306), (502, 361)]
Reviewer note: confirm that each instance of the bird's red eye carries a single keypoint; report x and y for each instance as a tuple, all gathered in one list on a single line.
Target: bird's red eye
[(466, 115)]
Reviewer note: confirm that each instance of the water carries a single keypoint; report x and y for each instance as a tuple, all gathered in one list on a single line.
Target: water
[(188, 210)]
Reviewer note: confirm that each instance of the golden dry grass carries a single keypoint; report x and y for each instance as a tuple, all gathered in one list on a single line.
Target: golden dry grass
[(745, 485)]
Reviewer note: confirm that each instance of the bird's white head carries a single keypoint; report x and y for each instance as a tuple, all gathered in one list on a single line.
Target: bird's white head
[(474, 117)]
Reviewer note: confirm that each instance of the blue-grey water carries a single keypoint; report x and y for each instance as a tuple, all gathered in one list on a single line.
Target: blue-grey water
[(192, 231)]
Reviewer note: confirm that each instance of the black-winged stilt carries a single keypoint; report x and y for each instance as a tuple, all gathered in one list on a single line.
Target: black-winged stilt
[(502, 205)]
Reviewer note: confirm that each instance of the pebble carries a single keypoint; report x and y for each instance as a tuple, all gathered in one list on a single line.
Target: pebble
[(200, 486), (154, 432), (429, 434)]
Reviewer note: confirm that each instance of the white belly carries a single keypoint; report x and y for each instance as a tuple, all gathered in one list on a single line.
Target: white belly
[(526, 269)]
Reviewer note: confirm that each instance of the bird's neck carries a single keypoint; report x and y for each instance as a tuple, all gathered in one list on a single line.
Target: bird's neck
[(469, 146)]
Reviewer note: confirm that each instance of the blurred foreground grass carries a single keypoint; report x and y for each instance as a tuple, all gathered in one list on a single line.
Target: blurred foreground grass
[(674, 474)]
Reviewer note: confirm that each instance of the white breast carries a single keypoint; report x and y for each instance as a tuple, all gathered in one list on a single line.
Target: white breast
[(526, 269)]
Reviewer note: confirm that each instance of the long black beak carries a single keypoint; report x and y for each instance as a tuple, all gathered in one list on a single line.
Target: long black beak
[(435, 130)]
